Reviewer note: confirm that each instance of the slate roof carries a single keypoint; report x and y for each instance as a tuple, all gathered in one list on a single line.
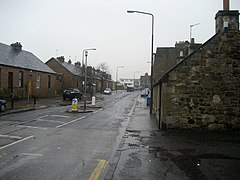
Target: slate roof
[(75, 70), (21, 59)]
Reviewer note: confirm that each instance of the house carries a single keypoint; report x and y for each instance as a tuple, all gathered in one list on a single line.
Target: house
[(203, 89), (145, 81), (22, 74), (70, 75), (73, 75)]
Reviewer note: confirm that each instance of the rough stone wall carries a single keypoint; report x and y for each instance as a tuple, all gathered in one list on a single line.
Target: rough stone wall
[(203, 91)]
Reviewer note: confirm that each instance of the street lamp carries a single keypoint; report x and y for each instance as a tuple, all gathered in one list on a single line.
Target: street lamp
[(146, 13), (134, 78), (85, 75), (191, 26), (88, 49), (117, 75)]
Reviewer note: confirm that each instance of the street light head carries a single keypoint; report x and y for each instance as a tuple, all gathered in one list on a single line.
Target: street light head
[(130, 11)]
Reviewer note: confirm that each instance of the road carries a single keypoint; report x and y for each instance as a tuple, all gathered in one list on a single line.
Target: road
[(55, 144)]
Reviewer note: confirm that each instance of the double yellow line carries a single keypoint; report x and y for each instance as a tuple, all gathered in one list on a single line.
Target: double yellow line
[(97, 171)]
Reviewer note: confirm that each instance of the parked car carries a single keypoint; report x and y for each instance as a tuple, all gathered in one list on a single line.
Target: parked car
[(107, 91), (3, 105), (145, 92), (130, 89), (72, 93)]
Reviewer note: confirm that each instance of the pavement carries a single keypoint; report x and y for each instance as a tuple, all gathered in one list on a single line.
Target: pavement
[(28, 105), (145, 152), (148, 153)]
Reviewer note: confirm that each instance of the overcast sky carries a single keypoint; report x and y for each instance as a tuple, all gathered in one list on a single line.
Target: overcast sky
[(65, 27)]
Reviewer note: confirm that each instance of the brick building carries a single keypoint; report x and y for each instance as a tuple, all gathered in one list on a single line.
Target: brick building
[(203, 90), (22, 74), (70, 75), (73, 76)]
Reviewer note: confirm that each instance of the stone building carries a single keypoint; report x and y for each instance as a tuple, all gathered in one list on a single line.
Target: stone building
[(203, 90), (167, 57), (23, 75)]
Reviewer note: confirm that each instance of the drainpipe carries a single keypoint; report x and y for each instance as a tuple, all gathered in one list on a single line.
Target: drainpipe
[(160, 99)]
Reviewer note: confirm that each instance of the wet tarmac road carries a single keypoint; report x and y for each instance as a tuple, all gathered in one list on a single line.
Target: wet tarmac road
[(54, 144)]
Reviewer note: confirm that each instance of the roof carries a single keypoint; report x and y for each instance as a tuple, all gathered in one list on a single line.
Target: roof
[(185, 59), (21, 59), (75, 70)]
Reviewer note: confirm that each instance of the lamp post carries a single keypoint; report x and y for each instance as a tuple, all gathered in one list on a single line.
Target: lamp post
[(85, 52), (88, 49), (117, 75), (134, 78), (191, 26), (146, 13)]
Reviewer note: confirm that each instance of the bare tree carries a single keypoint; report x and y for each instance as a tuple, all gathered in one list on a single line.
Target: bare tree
[(103, 67)]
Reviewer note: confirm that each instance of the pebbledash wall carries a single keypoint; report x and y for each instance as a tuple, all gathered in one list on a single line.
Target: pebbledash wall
[(204, 89)]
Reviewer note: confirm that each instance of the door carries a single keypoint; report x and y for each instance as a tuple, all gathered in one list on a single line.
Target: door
[(10, 82)]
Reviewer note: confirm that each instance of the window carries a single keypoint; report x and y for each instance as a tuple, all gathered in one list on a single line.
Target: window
[(38, 81), (20, 79), (49, 81)]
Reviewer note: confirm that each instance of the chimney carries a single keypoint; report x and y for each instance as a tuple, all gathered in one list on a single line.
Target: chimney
[(192, 41), (78, 64), (227, 20), (17, 46), (61, 59)]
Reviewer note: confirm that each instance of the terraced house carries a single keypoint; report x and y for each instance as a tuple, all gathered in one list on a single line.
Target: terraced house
[(22, 74)]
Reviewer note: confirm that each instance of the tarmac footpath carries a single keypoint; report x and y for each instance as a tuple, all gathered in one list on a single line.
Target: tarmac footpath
[(147, 153)]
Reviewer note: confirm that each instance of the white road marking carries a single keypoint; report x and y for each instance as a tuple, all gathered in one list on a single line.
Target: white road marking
[(70, 122), (40, 117), (29, 154), (61, 116), (33, 127), (8, 145), (10, 137), (45, 120)]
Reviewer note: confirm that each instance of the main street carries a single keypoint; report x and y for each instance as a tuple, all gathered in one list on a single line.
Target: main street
[(55, 144)]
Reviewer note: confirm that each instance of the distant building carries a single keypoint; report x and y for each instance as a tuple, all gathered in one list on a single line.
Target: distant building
[(130, 82), (145, 81), (73, 76), (22, 74)]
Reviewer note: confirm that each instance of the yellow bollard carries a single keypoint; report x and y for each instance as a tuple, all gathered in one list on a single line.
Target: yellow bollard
[(74, 104)]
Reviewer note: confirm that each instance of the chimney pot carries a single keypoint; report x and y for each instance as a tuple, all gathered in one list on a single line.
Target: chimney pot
[(17, 46), (226, 5)]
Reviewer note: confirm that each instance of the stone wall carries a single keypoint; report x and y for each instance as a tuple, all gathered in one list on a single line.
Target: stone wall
[(203, 91)]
